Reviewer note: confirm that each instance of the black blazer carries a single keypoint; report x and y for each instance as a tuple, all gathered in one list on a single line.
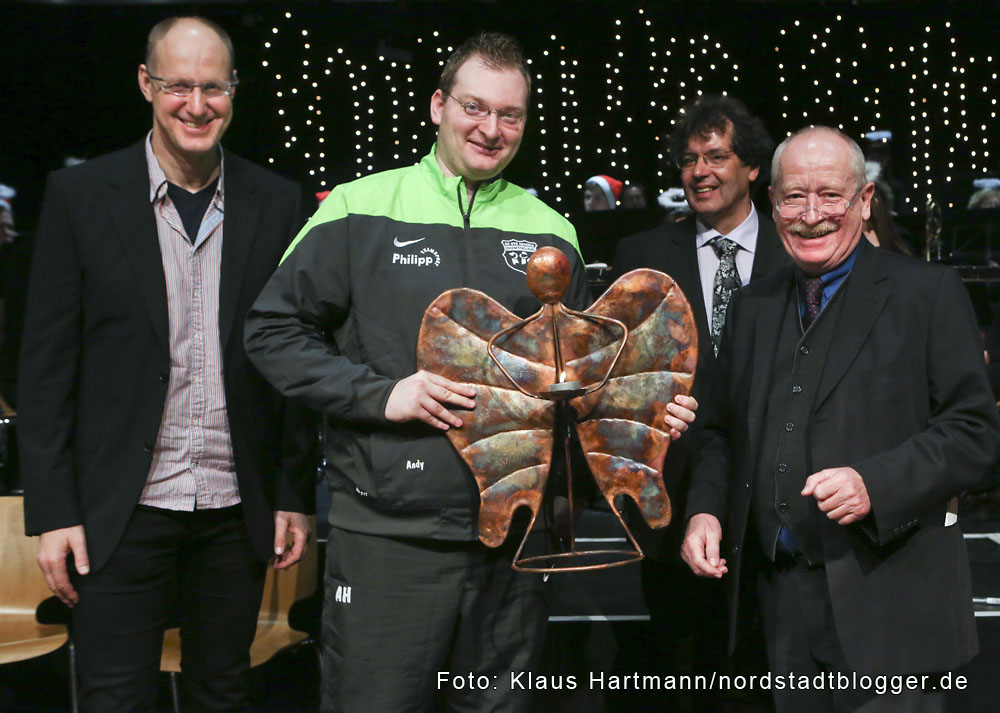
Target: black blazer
[(904, 400), (671, 248), (95, 352)]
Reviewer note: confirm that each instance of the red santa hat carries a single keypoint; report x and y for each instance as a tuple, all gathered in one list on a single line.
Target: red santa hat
[(612, 187)]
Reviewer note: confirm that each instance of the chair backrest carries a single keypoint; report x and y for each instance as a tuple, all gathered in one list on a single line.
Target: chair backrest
[(282, 588), (10, 480), (22, 589), (22, 586)]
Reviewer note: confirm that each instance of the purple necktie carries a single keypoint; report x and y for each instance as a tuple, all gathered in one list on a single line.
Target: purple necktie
[(812, 296)]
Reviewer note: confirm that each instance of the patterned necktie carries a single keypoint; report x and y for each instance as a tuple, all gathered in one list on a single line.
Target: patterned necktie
[(727, 281), (812, 295)]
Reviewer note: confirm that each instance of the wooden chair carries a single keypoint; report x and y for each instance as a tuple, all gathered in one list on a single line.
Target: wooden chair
[(5, 409), (22, 589), (282, 588), (8, 448)]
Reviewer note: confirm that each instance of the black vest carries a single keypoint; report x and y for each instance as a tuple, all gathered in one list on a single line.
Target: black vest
[(785, 462)]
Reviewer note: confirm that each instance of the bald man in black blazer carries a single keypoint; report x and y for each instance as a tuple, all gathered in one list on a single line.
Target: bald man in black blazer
[(159, 468)]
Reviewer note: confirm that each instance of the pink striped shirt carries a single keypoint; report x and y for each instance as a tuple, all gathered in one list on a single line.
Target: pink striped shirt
[(193, 457)]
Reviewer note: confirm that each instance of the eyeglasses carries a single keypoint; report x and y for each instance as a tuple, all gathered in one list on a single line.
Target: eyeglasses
[(210, 90), (478, 111), (713, 159), (797, 205)]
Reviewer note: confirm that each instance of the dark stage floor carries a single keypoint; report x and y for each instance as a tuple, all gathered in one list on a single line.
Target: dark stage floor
[(591, 611)]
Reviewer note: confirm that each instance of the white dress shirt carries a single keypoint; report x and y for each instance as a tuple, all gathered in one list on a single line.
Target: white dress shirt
[(744, 235)]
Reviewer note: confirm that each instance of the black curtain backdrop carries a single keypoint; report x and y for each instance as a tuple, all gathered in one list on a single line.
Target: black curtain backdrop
[(68, 83)]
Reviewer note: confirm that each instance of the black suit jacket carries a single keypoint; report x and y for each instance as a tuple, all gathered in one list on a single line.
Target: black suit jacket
[(95, 352), (671, 248), (904, 400)]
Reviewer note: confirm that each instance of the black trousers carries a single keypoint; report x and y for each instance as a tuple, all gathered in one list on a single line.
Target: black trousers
[(686, 634), (407, 622), (196, 569), (802, 641)]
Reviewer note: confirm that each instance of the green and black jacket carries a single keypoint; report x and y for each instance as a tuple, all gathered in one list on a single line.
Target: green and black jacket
[(337, 325)]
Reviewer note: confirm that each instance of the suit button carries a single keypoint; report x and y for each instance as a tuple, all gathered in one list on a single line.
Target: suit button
[(796, 389), (804, 349), (782, 467), (163, 377), (736, 550), (789, 426), (748, 485), (147, 447), (782, 507)]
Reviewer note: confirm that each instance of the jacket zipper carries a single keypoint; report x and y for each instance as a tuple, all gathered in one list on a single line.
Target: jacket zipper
[(466, 251)]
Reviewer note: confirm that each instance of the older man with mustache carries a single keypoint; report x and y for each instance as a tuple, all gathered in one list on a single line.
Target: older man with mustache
[(849, 407)]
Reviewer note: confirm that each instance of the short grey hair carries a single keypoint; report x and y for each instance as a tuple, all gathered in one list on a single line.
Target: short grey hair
[(857, 155)]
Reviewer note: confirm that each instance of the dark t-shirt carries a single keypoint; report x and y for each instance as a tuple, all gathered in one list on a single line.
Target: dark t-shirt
[(192, 206)]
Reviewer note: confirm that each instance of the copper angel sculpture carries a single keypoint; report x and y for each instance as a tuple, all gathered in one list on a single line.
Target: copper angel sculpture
[(602, 377)]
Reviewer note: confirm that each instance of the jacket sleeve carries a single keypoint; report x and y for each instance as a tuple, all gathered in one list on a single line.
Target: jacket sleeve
[(962, 438), (625, 258), (709, 489), (288, 326), (50, 358), (296, 485)]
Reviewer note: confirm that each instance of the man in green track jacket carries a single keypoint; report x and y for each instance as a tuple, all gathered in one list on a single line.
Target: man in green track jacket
[(416, 607)]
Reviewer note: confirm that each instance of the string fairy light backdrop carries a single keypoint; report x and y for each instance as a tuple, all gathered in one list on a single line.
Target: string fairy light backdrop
[(606, 88)]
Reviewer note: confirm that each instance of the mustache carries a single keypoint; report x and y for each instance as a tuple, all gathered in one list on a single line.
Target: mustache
[(813, 231)]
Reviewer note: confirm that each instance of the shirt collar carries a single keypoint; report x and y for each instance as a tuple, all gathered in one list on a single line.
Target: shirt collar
[(843, 269), (158, 179), (833, 279), (744, 234)]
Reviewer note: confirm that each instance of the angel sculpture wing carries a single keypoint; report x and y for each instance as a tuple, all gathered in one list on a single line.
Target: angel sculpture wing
[(507, 439)]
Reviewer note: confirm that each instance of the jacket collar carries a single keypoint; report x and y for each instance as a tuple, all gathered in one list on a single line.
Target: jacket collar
[(239, 234), (865, 296), (130, 208), (449, 185), (128, 203), (158, 179)]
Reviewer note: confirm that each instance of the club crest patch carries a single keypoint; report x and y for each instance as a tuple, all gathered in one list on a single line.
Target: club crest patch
[(517, 252)]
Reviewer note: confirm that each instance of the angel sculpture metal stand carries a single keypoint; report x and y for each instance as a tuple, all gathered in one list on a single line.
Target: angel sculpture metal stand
[(602, 377)]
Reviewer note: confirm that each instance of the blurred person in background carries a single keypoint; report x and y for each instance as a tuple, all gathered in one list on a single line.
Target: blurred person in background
[(634, 195), (601, 193)]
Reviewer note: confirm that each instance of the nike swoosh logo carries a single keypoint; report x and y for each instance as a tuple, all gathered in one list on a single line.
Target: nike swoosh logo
[(403, 243)]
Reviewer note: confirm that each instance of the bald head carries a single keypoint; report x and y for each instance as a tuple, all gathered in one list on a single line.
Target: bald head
[(190, 26), (826, 135), (190, 82)]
